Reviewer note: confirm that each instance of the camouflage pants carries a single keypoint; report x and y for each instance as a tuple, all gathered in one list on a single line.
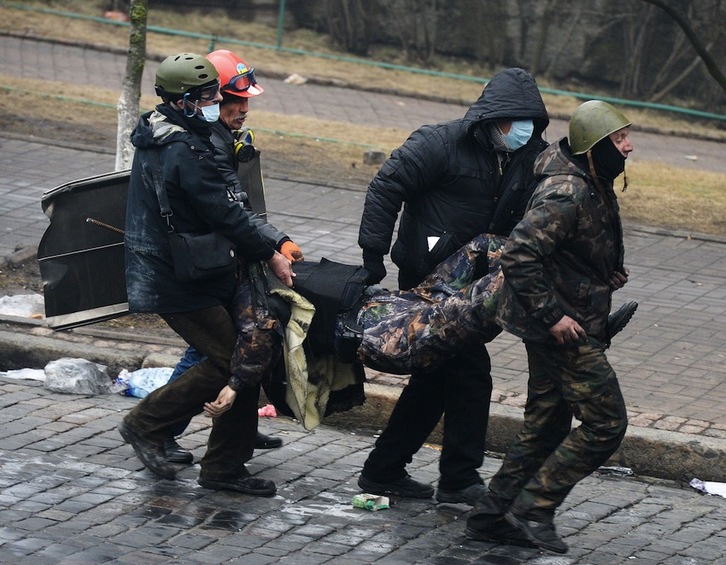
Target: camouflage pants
[(259, 331), (549, 458)]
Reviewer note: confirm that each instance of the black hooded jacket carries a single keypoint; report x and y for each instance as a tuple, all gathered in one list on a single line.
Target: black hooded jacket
[(450, 183), (198, 199)]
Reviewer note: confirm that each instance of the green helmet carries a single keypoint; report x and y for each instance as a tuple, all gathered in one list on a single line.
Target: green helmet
[(182, 73), (592, 121)]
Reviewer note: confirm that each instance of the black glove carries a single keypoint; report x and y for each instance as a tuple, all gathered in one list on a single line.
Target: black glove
[(375, 267)]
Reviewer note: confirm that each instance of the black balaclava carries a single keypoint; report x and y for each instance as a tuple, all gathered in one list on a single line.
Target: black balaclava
[(608, 160)]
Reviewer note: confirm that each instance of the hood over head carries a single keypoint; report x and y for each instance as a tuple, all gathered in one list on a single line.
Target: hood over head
[(511, 94)]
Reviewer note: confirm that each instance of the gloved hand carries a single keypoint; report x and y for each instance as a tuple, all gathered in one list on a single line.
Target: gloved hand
[(291, 251), (374, 264), (243, 144)]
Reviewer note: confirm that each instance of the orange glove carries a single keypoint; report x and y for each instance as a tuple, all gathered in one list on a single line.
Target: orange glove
[(291, 251)]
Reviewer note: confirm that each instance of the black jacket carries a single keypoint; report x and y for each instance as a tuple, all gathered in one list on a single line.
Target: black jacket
[(198, 199), (449, 181), (228, 163)]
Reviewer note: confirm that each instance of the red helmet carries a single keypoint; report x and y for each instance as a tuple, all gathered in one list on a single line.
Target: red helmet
[(235, 76)]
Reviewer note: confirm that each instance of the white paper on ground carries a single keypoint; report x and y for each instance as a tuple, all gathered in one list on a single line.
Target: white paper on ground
[(709, 487), (30, 374)]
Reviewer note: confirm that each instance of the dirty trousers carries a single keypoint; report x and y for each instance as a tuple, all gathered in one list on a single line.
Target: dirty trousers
[(212, 332), (548, 457), (461, 391)]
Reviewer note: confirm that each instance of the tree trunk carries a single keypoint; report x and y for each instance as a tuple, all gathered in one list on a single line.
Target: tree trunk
[(543, 34), (128, 104), (665, 90)]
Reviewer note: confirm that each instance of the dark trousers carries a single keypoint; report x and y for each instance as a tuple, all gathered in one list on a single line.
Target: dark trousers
[(231, 441), (461, 392), (548, 458)]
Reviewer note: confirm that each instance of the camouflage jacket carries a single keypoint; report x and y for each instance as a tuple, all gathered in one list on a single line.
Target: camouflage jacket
[(451, 311), (559, 258)]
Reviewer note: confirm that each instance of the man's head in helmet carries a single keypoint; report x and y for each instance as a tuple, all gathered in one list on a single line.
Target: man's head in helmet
[(237, 85), (600, 132), (190, 83)]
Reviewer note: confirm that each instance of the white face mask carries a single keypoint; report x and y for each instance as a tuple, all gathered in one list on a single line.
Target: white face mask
[(519, 134), (210, 113)]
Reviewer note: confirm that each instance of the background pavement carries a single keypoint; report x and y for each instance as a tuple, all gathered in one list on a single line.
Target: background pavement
[(71, 488)]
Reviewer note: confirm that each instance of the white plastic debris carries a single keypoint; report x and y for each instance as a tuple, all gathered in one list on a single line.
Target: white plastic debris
[(709, 487), (142, 382), (23, 305), (77, 376), (295, 79), (26, 374), (614, 470)]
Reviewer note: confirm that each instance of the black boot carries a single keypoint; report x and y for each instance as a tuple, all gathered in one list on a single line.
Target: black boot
[(175, 453), (619, 319), (267, 442)]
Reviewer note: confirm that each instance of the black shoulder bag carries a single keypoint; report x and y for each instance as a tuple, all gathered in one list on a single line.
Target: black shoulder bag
[(195, 256)]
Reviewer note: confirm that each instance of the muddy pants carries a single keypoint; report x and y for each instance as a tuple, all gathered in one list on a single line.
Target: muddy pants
[(549, 458), (212, 332)]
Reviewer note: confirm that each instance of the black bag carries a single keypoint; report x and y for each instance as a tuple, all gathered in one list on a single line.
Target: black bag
[(195, 256), (201, 256), (335, 289)]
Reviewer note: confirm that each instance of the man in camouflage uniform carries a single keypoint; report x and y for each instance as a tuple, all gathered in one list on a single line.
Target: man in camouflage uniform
[(561, 265)]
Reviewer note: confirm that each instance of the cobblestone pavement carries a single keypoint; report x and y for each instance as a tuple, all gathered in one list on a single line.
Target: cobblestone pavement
[(72, 492)]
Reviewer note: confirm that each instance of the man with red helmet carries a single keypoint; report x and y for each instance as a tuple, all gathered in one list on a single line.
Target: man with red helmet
[(232, 145)]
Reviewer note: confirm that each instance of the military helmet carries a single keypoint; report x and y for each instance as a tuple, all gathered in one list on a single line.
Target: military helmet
[(592, 121), (182, 73)]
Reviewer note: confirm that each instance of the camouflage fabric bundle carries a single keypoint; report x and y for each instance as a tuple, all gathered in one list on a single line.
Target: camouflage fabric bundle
[(451, 310), (259, 333)]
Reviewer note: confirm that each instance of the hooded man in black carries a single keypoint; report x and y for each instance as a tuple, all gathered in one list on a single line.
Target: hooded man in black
[(454, 180)]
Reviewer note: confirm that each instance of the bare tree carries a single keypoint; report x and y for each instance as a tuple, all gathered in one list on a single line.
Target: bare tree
[(562, 38), (347, 25), (416, 23), (638, 30), (695, 38), (128, 104), (547, 18)]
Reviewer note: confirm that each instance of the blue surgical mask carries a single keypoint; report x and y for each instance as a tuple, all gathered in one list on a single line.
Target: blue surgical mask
[(210, 113), (519, 134)]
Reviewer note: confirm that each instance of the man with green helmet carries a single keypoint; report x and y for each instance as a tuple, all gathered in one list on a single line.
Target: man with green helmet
[(232, 145), (174, 161), (561, 265)]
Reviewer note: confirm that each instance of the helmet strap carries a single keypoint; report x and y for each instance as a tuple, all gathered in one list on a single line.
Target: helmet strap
[(593, 172), (186, 110)]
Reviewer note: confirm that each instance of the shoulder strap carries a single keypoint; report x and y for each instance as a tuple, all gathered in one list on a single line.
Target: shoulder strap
[(161, 196)]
